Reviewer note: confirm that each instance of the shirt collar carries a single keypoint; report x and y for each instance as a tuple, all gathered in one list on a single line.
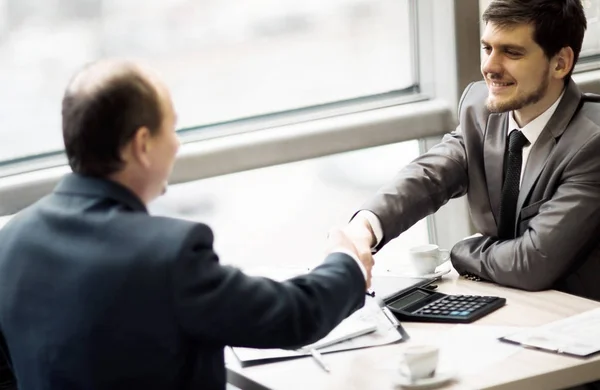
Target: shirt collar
[(533, 129), (75, 183)]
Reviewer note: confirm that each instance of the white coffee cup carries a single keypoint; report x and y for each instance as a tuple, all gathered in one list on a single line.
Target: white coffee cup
[(426, 258), (419, 361)]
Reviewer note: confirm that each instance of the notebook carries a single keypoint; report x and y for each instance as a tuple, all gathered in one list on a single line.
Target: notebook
[(577, 336)]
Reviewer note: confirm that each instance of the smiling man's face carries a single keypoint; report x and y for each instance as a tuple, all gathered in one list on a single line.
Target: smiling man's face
[(515, 68)]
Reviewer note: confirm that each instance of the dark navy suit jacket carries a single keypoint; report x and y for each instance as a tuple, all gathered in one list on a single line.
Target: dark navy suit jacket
[(97, 294)]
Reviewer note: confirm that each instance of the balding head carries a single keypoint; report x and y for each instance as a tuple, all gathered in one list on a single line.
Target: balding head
[(95, 76), (103, 107)]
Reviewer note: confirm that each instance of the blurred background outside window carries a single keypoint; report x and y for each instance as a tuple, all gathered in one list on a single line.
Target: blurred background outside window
[(279, 216), (223, 59), (591, 43)]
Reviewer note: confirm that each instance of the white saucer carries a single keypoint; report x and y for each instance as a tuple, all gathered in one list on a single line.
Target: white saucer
[(438, 274), (440, 378), (442, 270)]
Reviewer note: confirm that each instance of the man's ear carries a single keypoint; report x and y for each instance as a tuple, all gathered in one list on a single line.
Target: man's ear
[(139, 147), (563, 62)]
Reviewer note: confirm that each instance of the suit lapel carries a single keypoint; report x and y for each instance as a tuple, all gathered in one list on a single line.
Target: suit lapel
[(547, 140), (493, 152)]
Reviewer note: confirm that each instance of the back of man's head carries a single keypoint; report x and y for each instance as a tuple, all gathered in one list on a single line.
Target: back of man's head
[(557, 23), (103, 107)]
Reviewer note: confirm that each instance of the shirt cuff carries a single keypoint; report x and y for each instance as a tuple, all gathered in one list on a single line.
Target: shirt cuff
[(473, 236), (375, 225), (353, 255)]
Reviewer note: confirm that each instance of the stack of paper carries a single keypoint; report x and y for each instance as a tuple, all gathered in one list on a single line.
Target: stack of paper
[(346, 330), (367, 327), (578, 335)]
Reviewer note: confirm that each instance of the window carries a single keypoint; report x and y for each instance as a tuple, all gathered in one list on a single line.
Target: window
[(224, 59), (368, 50), (591, 42), (279, 216)]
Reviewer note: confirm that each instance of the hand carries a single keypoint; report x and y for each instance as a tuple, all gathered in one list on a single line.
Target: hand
[(338, 240), (360, 232)]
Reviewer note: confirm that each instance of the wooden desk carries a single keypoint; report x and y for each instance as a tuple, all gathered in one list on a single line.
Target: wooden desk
[(525, 369)]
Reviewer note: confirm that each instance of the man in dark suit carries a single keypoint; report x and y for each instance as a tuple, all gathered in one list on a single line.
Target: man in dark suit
[(525, 154), (7, 379), (97, 294)]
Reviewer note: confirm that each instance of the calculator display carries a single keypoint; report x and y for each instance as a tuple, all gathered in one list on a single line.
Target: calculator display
[(411, 298)]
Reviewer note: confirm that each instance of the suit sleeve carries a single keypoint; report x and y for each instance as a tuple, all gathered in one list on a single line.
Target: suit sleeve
[(221, 305), (423, 186), (556, 236)]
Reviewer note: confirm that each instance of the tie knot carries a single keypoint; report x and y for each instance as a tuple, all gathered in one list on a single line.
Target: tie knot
[(516, 141)]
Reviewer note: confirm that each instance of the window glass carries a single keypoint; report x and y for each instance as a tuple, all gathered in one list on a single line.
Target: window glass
[(224, 59), (279, 216), (591, 42)]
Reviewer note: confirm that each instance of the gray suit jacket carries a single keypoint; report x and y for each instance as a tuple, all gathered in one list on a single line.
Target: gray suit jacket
[(558, 211)]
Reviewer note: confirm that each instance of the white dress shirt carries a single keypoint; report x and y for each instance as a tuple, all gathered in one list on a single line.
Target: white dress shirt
[(531, 131)]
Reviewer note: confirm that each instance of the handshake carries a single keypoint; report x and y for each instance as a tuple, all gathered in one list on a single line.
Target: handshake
[(356, 238)]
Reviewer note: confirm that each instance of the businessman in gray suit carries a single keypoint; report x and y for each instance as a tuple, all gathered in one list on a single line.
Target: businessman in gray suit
[(97, 294), (526, 154)]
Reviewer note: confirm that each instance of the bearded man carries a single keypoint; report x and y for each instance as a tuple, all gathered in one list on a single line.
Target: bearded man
[(526, 155)]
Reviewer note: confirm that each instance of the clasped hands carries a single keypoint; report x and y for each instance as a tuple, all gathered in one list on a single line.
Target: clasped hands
[(357, 238)]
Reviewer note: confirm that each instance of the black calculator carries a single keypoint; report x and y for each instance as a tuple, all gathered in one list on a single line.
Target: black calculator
[(425, 305)]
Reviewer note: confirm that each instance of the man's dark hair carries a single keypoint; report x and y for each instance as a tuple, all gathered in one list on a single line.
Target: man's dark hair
[(101, 114), (556, 23)]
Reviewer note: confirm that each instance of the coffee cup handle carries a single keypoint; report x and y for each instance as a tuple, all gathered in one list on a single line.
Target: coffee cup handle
[(444, 255)]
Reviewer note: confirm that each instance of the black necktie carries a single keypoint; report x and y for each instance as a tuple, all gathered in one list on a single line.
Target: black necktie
[(510, 187)]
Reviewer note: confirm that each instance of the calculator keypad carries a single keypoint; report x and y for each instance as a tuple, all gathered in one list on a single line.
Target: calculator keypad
[(456, 305)]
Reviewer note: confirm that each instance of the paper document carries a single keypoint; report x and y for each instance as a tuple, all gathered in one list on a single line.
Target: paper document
[(578, 335), (367, 327), (470, 349), (346, 330)]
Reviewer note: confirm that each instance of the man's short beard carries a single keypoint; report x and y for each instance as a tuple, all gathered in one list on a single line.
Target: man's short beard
[(520, 102)]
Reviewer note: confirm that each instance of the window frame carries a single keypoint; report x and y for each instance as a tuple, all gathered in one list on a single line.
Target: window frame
[(447, 60)]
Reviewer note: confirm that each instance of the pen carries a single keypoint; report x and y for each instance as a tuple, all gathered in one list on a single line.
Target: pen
[(370, 293), (390, 316), (319, 359)]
